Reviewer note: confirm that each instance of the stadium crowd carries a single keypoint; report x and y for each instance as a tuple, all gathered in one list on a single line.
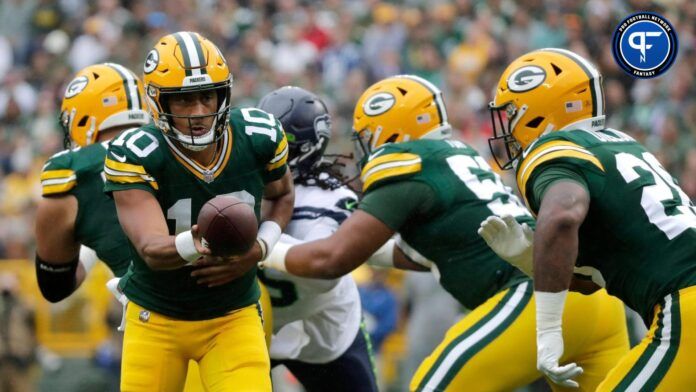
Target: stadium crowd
[(336, 48)]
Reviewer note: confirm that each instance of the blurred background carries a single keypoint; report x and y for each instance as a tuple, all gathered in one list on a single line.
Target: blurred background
[(335, 48)]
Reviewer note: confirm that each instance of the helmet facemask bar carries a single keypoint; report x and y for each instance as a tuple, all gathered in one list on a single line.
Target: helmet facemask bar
[(362, 141), (190, 141), (503, 119), (305, 155)]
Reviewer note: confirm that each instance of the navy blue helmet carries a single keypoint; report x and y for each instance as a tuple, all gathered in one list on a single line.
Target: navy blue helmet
[(306, 122)]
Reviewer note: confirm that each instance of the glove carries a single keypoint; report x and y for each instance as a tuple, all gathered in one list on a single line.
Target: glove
[(112, 285), (550, 339), (511, 241)]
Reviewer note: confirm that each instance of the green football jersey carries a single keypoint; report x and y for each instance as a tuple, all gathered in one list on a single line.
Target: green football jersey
[(80, 172), (639, 236), (466, 192), (252, 152)]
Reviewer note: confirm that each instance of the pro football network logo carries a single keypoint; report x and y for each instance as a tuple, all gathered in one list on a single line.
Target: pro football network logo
[(645, 45)]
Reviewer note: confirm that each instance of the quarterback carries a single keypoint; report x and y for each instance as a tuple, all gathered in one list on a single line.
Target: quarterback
[(605, 207), (74, 217), (318, 333), (160, 175), (434, 192)]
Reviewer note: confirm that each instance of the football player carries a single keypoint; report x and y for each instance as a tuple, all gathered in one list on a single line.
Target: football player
[(74, 217), (318, 333), (434, 192), (605, 207), (160, 175)]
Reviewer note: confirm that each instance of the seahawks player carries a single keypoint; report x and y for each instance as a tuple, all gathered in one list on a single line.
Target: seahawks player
[(160, 176), (318, 334), (605, 206), (434, 192), (74, 216)]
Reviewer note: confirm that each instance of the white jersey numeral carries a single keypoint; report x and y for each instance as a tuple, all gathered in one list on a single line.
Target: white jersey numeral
[(180, 212), (683, 216), (486, 184), (258, 116)]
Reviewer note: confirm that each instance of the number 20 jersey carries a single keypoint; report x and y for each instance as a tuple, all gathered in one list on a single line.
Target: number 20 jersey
[(640, 230), (251, 153)]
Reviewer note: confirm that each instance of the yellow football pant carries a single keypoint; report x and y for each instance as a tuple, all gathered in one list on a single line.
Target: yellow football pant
[(493, 348), (193, 377), (665, 360), (230, 351)]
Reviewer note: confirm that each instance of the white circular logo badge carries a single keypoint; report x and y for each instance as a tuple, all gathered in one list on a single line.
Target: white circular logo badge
[(378, 104), (526, 78), (151, 61), (76, 86)]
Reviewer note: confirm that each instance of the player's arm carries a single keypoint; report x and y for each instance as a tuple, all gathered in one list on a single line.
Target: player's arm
[(58, 271), (382, 211), (356, 239), (143, 221), (563, 209)]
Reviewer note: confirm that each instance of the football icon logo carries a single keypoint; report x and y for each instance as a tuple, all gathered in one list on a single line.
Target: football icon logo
[(378, 104), (644, 45), (76, 86), (151, 61)]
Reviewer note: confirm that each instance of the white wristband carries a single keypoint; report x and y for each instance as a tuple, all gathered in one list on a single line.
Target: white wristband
[(384, 256), (276, 258), (268, 236), (88, 258), (549, 310), (185, 246)]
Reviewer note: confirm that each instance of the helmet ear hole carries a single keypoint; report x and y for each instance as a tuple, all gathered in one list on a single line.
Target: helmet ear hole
[(535, 122), (83, 121), (392, 138)]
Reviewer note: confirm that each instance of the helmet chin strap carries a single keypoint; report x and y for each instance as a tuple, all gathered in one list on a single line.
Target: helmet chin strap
[(202, 141)]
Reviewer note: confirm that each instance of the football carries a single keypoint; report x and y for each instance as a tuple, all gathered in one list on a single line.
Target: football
[(227, 226)]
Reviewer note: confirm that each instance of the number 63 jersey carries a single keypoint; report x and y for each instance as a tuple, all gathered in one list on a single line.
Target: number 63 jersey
[(639, 237), (251, 153)]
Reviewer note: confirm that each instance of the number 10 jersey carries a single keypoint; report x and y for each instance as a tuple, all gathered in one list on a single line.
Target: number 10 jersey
[(251, 153)]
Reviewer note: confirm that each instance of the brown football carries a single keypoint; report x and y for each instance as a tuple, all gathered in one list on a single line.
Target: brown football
[(227, 225)]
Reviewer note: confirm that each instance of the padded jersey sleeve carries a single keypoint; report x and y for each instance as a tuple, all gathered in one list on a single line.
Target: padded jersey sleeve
[(572, 160), (397, 202), (268, 140), (126, 161), (547, 176), (58, 176)]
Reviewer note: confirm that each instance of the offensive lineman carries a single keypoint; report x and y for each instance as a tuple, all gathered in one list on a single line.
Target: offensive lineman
[(434, 192), (100, 102)]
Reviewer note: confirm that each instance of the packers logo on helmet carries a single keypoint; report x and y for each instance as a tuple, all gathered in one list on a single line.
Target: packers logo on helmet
[(76, 86), (151, 61), (526, 78), (101, 97), (378, 104), (186, 62), (543, 91), (399, 109)]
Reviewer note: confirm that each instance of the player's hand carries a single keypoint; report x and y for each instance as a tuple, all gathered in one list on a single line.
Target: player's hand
[(199, 242), (511, 241), (215, 271), (549, 351)]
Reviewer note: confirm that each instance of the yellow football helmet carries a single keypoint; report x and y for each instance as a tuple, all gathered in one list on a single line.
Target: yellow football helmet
[(186, 62), (100, 97), (540, 92), (398, 109)]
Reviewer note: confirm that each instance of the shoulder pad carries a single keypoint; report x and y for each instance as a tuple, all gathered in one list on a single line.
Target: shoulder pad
[(545, 150), (127, 157), (387, 164), (58, 175)]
